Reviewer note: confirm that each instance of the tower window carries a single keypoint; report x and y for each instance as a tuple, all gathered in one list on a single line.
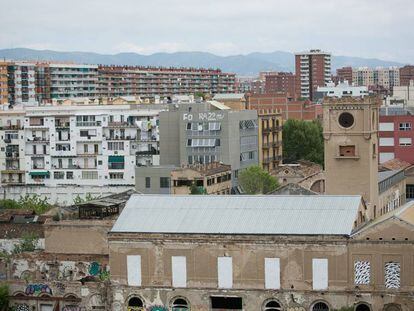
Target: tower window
[(346, 119), (347, 151)]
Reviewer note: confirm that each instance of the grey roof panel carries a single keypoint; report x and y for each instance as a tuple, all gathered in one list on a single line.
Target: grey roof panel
[(302, 215)]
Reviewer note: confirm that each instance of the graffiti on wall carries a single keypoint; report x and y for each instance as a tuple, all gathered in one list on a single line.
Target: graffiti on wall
[(23, 307), (157, 308), (37, 289)]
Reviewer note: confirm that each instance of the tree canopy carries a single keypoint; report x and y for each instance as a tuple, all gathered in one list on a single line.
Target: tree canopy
[(255, 180), (303, 140)]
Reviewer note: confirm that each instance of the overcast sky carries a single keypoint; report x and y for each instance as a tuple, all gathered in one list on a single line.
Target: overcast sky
[(367, 28)]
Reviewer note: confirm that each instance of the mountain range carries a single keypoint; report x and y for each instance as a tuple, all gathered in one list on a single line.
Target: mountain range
[(243, 65)]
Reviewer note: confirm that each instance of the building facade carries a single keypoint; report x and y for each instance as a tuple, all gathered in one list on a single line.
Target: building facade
[(192, 257), (150, 81), (289, 108), (344, 74), (4, 97), (396, 135), (342, 89), (270, 139), (21, 84), (53, 147), (208, 132), (350, 131), (406, 75), (313, 69), (386, 78), (280, 82)]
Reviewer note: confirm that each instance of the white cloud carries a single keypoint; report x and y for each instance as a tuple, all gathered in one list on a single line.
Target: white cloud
[(369, 28)]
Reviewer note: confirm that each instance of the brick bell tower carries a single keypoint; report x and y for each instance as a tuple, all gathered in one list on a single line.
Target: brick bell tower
[(350, 131)]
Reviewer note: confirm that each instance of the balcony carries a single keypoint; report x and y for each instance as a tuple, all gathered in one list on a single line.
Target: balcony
[(88, 123), (11, 127), (147, 152), (62, 125), (12, 155), (38, 139), (121, 124)]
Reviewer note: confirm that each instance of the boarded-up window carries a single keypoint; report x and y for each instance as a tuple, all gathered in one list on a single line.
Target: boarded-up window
[(320, 273), (134, 270), (179, 271), (362, 271), (347, 151), (385, 156), (225, 272), (392, 275), (272, 273)]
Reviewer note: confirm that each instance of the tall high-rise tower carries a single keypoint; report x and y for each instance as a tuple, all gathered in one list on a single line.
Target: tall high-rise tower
[(350, 133), (313, 69)]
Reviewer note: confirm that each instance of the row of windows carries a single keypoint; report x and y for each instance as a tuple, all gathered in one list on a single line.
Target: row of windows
[(204, 126), (234, 303), (164, 182), (272, 269)]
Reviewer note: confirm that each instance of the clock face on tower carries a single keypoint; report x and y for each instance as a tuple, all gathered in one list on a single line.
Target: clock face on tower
[(346, 119)]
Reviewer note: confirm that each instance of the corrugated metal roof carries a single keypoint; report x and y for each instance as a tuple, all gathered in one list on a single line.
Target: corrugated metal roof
[(228, 96), (316, 214)]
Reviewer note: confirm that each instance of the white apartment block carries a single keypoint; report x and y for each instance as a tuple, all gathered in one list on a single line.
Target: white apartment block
[(385, 77), (76, 147), (343, 89)]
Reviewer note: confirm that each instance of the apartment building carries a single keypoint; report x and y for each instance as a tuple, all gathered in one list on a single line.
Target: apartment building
[(209, 132), (270, 139), (344, 74), (93, 149), (21, 83), (4, 98), (280, 82), (386, 78), (342, 89), (396, 134), (313, 69), (406, 75), (151, 81), (247, 253)]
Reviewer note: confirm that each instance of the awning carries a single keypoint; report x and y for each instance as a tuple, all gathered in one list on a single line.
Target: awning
[(39, 173), (116, 159)]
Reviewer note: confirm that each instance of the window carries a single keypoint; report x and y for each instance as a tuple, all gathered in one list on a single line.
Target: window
[(362, 272), (392, 275), (59, 175), (386, 127), (385, 156), (116, 175), (117, 145), (164, 182), (362, 307), (320, 274), (386, 141), (225, 272), (179, 271), (347, 151), (179, 304), (272, 273), (147, 182), (85, 148), (346, 119), (405, 126), (134, 270), (89, 175), (320, 306), (83, 133), (69, 175), (405, 141), (135, 304), (226, 303), (272, 305)]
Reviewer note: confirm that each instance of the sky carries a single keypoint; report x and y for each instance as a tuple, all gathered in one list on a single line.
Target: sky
[(366, 28)]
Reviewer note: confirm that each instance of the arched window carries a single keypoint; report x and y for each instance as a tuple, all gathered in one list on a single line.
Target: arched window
[(362, 307), (272, 305), (180, 304), (392, 307), (320, 306), (135, 304)]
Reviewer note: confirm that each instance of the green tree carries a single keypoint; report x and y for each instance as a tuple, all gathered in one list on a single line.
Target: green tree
[(34, 202), (88, 197), (9, 204), (303, 140), (27, 243), (197, 189), (255, 180), (4, 296)]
